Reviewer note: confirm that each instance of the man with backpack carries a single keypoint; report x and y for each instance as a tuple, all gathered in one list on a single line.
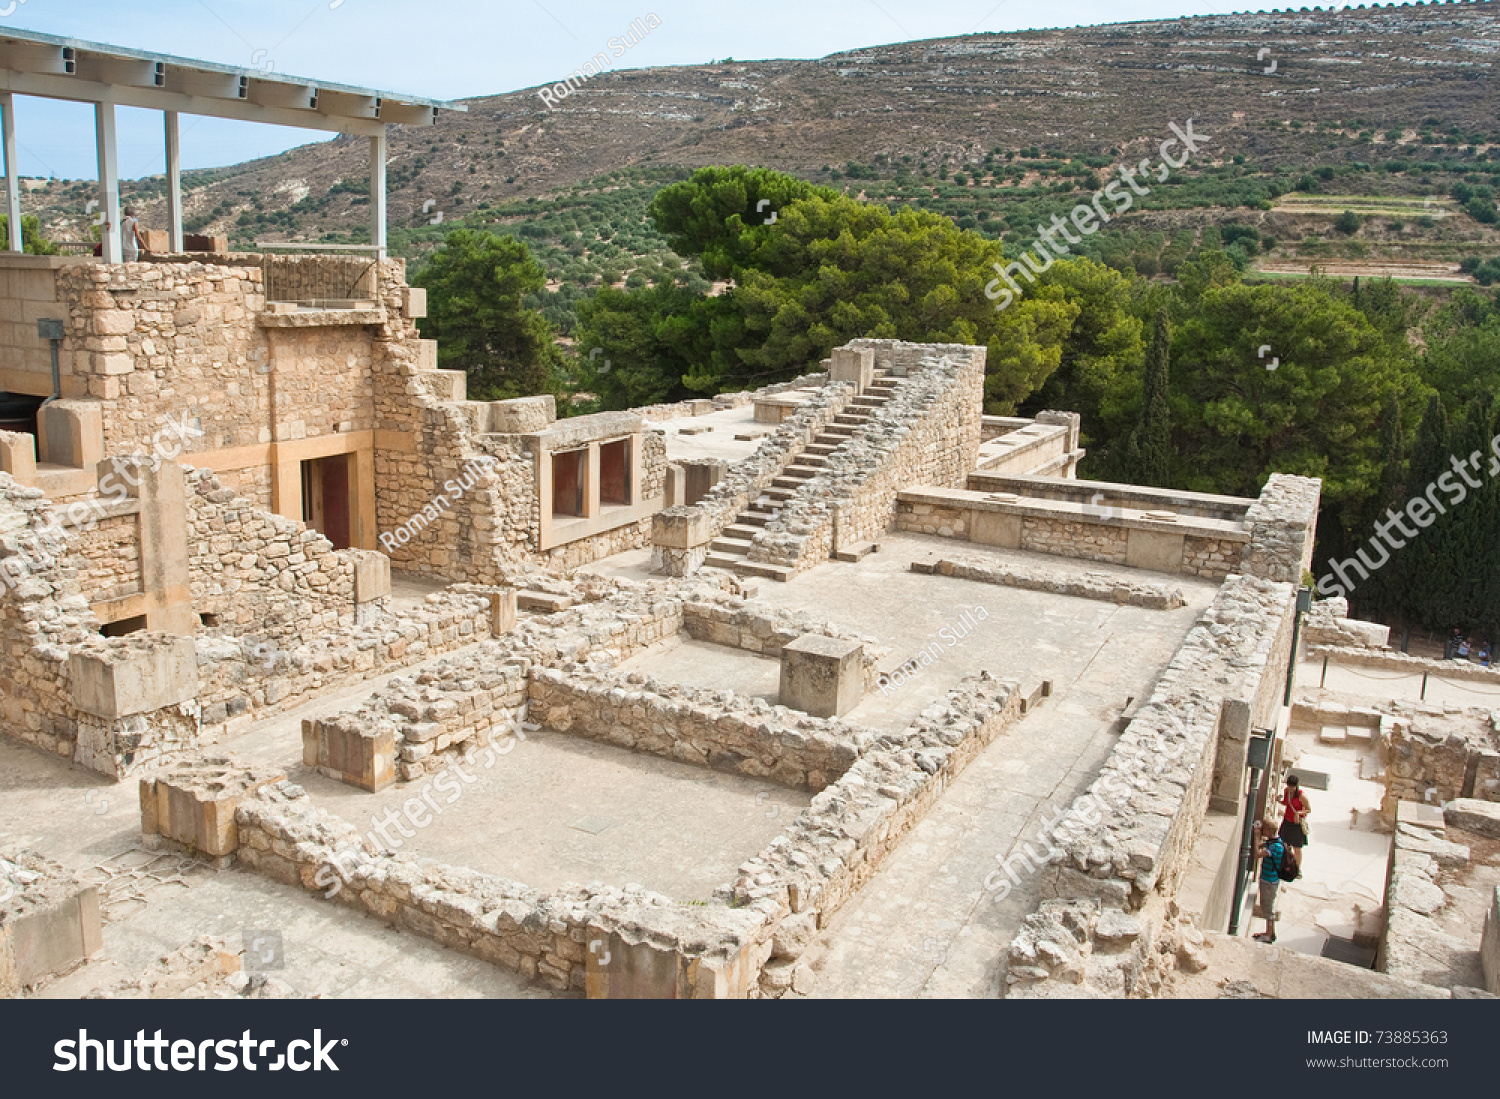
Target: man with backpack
[(1278, 863)]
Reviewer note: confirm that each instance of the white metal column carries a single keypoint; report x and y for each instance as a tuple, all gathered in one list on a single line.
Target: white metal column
[(109, 181), (377, 194), (174, 183), (12, 172)]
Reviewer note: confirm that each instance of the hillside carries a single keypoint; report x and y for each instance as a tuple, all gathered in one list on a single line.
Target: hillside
[(1392, 102)]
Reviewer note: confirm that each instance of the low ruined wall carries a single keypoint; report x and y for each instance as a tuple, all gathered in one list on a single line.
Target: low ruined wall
[(801, 880), (257, 570), (1063, 531), (1436, 759), (1414, 944), (1128, 593), (757, 628), (243, 678), (1393, 661), (745, 736), (746, 941)]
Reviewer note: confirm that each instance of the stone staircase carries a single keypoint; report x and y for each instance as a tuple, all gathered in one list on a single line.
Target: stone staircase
[(731, 549)]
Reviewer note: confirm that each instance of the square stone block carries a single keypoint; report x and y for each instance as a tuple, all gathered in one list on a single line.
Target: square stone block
[(849, 365), (502, 611), (1159, 551), (372, 575), (822, 676), (49, 920), (362, 754), (996, 528), (193, 803), (140, 674)]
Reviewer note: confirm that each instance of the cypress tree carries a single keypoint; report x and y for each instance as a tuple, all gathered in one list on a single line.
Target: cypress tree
[(1149, 451), (1380, 597), (1418, 571)]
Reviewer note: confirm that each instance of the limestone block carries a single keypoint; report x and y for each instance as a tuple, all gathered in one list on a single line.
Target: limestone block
[(521, 416), (681, 528), (70, 432), (138, 674), (1473, 815), (18, 455), (361, 753), (996, 528), (413, 302), (502, 610), (848, 364), (822, 676), (702, 475), (1160, 551), (193, 803), (49, 920), (372, 575)]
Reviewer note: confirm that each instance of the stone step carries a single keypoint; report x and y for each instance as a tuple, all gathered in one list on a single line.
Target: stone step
[(753, 518), (737, 547), (842, 431), (806, 460), (723, 561), (739, 531), (788, 483), (797, 469), (848, 419), (856, 553), (782, 573), (871, 403), (818, 449), (1333, 734), (779, 494), (543, 602)]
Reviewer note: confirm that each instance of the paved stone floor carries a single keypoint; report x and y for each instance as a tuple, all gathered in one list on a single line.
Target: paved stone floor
[(924, 925), (156, 904)]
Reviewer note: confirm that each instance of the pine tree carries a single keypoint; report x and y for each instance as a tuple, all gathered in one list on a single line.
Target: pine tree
[(1149, 452)]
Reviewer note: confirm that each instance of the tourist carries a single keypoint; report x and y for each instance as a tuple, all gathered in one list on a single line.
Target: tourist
[(1484, 657), (132, 244), (1450, 647), (1272, 850), (1463, 648), (1294, 823)]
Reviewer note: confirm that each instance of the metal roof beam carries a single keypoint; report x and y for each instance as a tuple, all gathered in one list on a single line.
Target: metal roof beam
[(166, 99), (27, 58), (116, 70)]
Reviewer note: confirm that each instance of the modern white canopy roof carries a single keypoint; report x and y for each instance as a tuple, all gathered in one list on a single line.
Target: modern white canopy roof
[(50, 67)]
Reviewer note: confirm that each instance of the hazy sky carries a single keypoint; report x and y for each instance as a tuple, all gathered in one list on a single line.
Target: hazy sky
[(449, 49)]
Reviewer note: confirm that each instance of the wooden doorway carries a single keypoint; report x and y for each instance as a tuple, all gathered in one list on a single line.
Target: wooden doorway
[(326, 504)]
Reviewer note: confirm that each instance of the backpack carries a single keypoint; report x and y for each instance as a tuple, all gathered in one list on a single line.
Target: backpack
[(1286, 867)]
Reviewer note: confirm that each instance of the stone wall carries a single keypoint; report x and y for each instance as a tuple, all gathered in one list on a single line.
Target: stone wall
[(1100, 585), (746, 941), (108, 558), (252, 569), (1066, 529), (727, 620), (315, 278), (1414, 945), (1431, 755), (716, 729), (42, 615), (246, 676), (926, 433)]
